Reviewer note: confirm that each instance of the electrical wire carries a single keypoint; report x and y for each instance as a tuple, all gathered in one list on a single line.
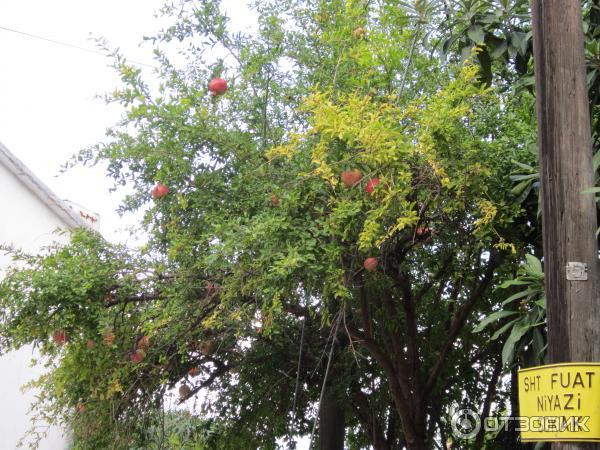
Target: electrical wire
[(66, 44)]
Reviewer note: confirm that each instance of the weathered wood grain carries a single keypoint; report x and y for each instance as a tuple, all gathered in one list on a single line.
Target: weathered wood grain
[(569, 218)]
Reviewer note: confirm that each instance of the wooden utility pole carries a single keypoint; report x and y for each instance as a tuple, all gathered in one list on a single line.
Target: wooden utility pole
[(569, 218)]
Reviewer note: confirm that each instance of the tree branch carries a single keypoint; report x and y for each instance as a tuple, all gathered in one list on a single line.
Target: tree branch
[(437, 277), (460, 318), (364, 309), (400, 389), (144, 297)]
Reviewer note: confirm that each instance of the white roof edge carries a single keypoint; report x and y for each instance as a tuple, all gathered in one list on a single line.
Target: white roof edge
[(39, 189)]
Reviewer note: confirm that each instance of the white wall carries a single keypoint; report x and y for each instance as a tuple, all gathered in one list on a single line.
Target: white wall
[(27, 223)]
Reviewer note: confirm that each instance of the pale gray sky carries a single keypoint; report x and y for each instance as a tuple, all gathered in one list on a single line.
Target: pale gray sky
[(47, 105), (48, 109)]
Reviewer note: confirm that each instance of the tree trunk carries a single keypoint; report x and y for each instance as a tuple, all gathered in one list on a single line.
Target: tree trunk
[(417, 444), (332, 422)]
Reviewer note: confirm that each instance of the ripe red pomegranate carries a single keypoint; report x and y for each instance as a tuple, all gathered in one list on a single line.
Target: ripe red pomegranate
[(137, 356), (210, 288), (217, 86), (359, 33), (60, 337), (159, 191), (207, 348), (351, 177), (275, 201), (371, 184), (371, 264), (422, 231), (108, 337)]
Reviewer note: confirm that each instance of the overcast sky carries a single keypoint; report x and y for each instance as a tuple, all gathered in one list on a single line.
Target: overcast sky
[(48, 109), (48, 104)]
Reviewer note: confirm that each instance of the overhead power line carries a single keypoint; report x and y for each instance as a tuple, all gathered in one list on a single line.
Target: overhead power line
[(66, 44)]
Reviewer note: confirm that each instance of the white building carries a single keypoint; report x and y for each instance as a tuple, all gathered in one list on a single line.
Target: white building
[(30, 215)]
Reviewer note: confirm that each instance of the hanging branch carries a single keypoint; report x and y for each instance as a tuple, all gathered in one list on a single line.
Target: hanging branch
[(410, 57), (297, 380)]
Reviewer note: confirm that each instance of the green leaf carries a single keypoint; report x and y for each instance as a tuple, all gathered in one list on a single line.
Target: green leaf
[(519, 40), (525, 81), (519, 188), (448, 43), (538, 342), (521, 198), (465, 53), (517, 296), (596, 160), (541, 302), (534, 265), (499, 50), (523, 166), (515, 282), (593, 190), (476, 34), (503, 329), (492, 318), (529, 176), (508, 351), (591, 77)]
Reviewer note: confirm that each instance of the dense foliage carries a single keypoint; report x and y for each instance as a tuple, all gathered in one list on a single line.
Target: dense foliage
[(251, 297)]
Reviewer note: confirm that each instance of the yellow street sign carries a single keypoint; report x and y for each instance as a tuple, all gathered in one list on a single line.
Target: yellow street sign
[(560, 403)]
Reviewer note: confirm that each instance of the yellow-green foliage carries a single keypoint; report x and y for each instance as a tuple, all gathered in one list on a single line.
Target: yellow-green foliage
[(422, 150)]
